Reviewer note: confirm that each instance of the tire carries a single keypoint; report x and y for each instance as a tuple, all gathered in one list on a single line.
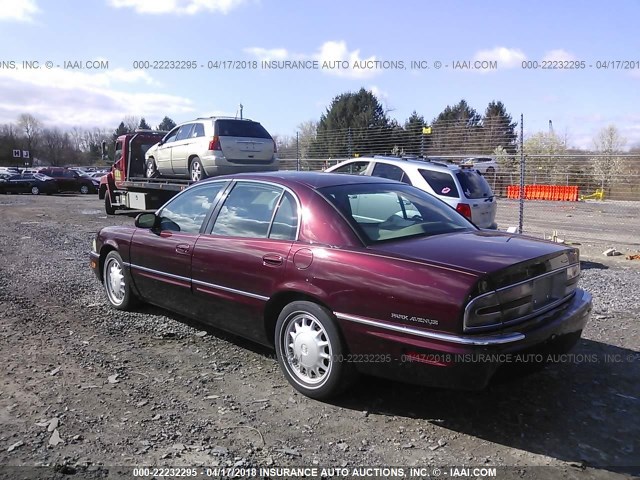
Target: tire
[(108, 208), (117, 282), (317, 340), (151, 170), (196, 172), (84, 189), (35, 190)]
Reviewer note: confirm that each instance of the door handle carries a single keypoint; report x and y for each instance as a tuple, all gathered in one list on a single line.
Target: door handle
[(183, 248), (272, 259)]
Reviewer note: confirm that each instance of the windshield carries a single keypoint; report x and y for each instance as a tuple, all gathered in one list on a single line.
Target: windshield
[(381, 212)]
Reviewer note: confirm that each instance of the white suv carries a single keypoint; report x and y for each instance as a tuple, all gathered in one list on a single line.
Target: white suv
[(484, 165), (463, 189), (212, 146)]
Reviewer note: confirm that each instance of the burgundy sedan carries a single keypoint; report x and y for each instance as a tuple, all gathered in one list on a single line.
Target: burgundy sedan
[(345, 274)]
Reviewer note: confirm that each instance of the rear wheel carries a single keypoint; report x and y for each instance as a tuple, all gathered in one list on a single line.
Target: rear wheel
[(35, 190), (84, 189), (151, 170), (117, 283), (196, 171), (310, 350)]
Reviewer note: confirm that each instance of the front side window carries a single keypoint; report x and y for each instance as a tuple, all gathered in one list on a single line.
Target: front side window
[(352, 168), (381, 212), (442, 183), (171, 136), (118, 152), (247, 211), (187, 211)]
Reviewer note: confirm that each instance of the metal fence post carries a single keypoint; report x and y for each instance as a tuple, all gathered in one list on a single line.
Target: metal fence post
[(297, 150), (522, 170), (349, 145)]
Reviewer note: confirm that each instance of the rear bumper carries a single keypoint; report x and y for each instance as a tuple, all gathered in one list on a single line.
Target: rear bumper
[(215, 165), (461, 361)]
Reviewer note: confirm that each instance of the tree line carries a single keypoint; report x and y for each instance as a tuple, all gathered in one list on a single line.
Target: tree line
[(58, 147)]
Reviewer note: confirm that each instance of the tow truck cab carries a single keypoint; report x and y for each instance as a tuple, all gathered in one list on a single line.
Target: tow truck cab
[(125, 186)]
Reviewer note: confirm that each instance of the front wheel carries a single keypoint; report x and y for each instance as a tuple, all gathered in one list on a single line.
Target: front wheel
[(310, 350), (35, 190), (108, 208), (117, 282)]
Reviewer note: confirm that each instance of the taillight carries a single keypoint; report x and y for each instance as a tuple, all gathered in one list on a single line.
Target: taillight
[(464, 209), (214, 144)]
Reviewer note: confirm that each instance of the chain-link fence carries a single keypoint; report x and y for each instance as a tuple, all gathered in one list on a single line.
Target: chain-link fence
[(544, 186)]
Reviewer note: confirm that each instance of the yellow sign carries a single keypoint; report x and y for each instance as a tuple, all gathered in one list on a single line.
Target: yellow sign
[(426, 130), (356, 155)]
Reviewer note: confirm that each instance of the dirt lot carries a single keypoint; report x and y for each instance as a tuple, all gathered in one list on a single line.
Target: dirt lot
[(93, 391)]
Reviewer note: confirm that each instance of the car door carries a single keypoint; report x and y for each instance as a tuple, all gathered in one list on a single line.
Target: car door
[(163, 154), (180, 150), (239, 264), (161, 257), (14, 184)]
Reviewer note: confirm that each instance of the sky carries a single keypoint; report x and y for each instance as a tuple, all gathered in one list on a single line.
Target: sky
[(92, 59)]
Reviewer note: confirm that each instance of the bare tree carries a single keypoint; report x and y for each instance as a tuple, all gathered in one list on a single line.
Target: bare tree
[(608, 166), (131, 122), (31, 128)]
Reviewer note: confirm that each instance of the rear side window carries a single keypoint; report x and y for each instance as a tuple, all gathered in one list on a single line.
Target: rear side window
[(285, 222), (184, 132), (198, 130), (473, 184), (442, 183), (247, 211), (392, 172), (240, 128)]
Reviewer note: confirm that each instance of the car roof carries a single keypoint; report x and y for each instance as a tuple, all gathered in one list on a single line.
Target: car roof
[(313, 180), (426, 164)]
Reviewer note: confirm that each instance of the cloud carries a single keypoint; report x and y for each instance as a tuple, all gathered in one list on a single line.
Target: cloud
[(180, 7), (18, 10), (558, 55), (340, 61), (337, 51), (506, 57), (70, 98), (268, 54)]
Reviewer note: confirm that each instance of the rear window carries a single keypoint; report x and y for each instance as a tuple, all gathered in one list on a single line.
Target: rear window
[(442, 183), (240, 128), (473, 184)]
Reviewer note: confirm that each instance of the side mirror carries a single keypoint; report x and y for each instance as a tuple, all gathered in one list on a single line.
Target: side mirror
[(147, 220), (161, 142)]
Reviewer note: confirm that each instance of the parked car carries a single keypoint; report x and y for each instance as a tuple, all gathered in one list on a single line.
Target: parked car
[(344, 274), (461, 188), (34, 183), (206, 147), (484, 165), (70, 180)]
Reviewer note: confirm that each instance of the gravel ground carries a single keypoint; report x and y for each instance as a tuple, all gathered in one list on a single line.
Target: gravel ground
[(86, 388)]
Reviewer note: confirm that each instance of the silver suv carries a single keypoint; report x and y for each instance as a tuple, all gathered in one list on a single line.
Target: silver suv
[(212, 146), (462, 188)]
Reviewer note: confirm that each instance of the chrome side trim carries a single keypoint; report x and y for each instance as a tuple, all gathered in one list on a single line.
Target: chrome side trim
[(445, 337), (230, 290), (198, 282), (157, 272)]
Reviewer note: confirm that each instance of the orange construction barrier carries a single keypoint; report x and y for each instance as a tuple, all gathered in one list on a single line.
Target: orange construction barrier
[(556, 193)]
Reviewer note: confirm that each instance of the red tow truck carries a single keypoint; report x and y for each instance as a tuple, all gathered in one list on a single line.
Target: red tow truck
[(125, 188)]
